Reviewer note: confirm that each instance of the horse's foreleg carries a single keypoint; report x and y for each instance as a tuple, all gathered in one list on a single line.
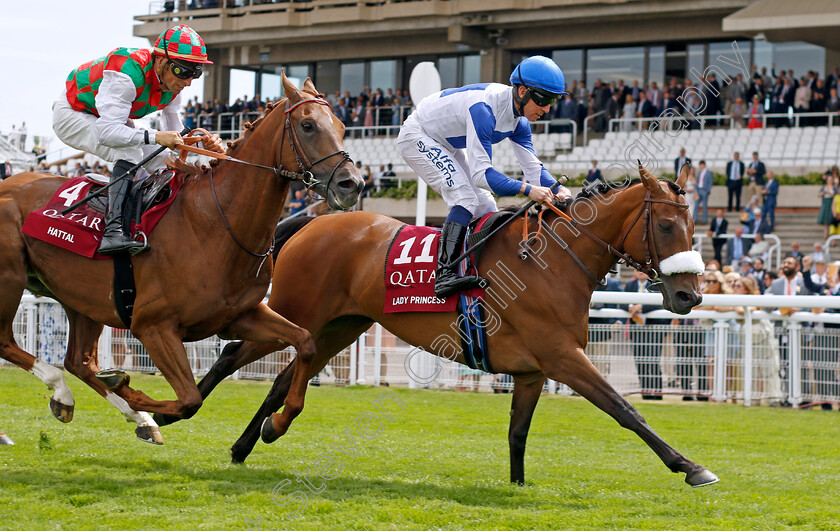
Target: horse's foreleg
[(526, 393), (5, 440), (234, 356), (82, 361), (263, 325), (245, 444), (573, 368)]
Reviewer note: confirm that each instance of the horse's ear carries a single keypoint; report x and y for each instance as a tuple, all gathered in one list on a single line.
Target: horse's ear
[(290, 90), (309, 86), (682, 178), (649, 181)]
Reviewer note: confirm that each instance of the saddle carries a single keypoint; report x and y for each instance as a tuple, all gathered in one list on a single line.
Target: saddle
[(143, 194)]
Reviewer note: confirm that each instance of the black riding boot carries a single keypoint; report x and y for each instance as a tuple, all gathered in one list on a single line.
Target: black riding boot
[(447, 280), (115, 240)]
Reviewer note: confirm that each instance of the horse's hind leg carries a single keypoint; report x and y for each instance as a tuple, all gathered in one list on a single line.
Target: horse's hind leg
[(526, 394), (12, 283), (5, 440), (234, 356), (82, 361), (574, 369), (245, 444)]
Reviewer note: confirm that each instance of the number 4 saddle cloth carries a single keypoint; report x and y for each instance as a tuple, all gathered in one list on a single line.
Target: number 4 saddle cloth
[(80, 230)]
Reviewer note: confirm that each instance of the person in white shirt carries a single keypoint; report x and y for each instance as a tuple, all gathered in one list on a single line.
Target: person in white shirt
[(101, 99), (448, 141)]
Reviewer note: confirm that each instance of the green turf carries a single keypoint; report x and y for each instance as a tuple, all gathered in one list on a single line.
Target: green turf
[(441, 463)]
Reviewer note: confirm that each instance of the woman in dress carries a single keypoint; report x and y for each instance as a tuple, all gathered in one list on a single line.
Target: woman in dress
[(691, 195), (767, 384), (826, 194), (628, 112)]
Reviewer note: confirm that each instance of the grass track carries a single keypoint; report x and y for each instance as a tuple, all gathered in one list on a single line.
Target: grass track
[(441, 463)]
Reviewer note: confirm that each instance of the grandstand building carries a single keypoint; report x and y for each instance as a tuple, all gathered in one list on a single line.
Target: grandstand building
[(350, 44)]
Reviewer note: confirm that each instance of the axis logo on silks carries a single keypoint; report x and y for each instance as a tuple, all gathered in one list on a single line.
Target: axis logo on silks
[(440, 159)]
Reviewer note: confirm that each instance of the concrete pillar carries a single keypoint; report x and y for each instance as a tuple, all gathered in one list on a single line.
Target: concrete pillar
[(495, 65), (832, 59)]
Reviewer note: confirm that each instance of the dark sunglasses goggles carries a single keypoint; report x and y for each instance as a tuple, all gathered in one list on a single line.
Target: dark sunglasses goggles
[(183, 72), (542, 98)]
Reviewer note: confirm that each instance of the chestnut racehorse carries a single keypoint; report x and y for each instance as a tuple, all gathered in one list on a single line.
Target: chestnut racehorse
[(205, 273), (538, 307)]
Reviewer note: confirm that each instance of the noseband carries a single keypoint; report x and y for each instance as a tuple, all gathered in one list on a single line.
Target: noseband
[(301, 159), (651, 265)]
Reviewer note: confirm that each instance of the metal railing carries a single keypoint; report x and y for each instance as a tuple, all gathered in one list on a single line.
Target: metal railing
[(723, 355), (586, 125), (794, 119), (774, 250)]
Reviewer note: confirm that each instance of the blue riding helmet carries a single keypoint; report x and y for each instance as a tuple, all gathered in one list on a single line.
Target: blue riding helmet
[(541, 73)]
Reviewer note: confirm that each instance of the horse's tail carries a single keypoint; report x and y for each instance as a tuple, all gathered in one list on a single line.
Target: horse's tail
[(288, 228)]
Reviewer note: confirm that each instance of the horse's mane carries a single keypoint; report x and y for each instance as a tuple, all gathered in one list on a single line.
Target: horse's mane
[(603, 188), (185, 171)]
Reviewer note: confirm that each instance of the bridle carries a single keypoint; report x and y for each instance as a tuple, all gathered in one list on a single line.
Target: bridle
[(650, 267), (301, 159), (304, 175)]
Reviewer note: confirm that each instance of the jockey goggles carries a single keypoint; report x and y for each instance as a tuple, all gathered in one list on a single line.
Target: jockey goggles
[(182, 72), (541, 97)]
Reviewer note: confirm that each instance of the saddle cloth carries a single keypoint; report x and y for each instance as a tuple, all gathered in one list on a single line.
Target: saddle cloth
[(410, 272), (80, 231)]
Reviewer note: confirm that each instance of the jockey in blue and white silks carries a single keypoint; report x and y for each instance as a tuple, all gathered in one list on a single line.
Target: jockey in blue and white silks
[(448, 140)]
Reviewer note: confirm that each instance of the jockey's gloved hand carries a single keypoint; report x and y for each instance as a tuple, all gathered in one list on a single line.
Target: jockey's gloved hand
[(169, 139), (541, 194), (213, 143), (562, 194)]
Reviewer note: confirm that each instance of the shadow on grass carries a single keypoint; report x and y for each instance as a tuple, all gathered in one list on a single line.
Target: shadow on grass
[(95, 478)]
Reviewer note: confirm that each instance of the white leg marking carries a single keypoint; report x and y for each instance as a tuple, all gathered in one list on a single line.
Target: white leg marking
[(53, 378), (141, 418)]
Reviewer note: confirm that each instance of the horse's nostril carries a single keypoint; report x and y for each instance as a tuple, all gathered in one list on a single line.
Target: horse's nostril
[(348, 184)]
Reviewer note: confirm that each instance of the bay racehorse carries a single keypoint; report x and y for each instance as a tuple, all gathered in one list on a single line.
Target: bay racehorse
[(538, 305), (205, 274)]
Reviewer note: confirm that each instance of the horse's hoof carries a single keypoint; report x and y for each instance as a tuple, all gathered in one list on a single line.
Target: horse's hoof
[(5, 441), (701, 478), (149, 434), (62, 412), (267, 433), (236, 456), (112, 378), (164, 420)]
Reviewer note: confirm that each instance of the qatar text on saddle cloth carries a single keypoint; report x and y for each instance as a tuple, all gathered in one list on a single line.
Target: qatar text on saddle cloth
[(410, 273), (80, 230)]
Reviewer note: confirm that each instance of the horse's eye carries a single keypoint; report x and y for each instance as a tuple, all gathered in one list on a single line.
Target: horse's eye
[(307, 127), (665, 228)]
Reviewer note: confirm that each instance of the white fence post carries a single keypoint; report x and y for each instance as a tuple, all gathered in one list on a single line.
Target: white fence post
[(748, 356), (362, 350), (377, 352), (719, 384), (794, 363), (106, 355), (31, 342), (354, 350)]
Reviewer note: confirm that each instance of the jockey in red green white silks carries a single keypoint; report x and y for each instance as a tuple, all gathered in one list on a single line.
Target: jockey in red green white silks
[(102, 98)]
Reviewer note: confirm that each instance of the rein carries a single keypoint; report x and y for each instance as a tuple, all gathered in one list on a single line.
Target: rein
[(651, 265), (305, 175)]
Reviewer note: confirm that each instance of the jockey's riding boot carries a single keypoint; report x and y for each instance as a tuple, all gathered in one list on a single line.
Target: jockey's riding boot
[(115, 240), (447, 280)]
